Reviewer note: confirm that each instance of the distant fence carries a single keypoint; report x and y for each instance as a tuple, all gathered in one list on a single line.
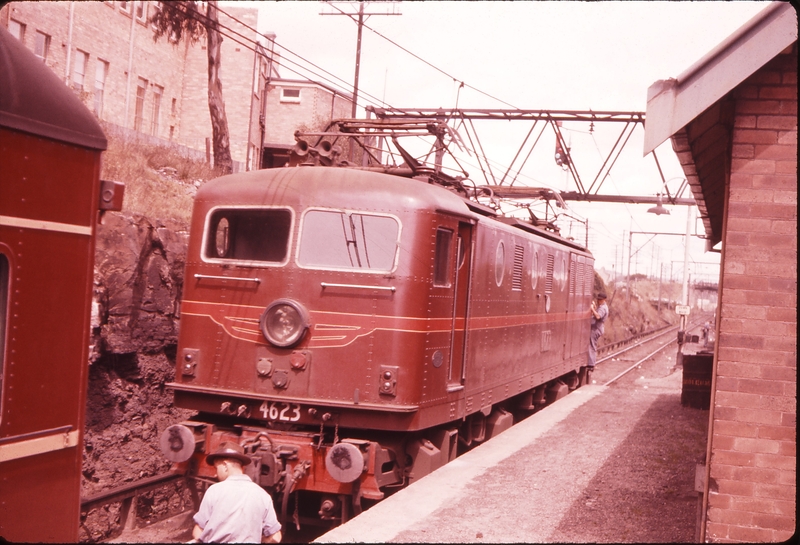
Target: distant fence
[(140, 137)]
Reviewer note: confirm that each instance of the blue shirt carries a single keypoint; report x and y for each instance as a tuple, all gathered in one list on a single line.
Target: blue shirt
[(236, 510), (602, 310)]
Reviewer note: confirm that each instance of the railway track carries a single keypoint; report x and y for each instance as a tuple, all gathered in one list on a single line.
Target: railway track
[(618, 359), (639, 350)]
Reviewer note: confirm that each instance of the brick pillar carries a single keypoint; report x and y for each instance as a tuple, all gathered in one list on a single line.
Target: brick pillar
[(752, 487)]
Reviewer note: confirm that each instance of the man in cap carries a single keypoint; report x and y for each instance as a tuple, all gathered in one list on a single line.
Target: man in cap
[(599, 314), (235, 510)]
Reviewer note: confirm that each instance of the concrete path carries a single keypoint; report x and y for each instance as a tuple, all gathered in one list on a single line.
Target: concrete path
[(521, 486)]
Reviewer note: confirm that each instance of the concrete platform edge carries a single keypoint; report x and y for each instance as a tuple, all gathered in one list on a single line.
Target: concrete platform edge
[(410, 506)]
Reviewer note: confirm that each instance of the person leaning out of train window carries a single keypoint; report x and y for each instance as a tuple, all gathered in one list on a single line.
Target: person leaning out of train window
[(599, 314), (234, 510)]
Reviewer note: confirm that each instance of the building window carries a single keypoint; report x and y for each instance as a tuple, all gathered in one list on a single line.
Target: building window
[(16, 29), (99, 86), (141, 11), (290, 95), (174, 107), (141, 89), (42, 45), (79, 69), (156, 7), (158, 92), (125, 6)]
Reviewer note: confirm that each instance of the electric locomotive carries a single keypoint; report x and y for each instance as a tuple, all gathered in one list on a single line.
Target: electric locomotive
[(352, 329)]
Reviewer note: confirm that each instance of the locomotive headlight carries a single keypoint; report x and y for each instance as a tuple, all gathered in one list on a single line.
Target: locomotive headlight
[(284, 322)]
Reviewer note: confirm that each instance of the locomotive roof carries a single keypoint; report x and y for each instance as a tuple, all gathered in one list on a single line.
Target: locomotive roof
[(350, 188), (330, 186), (34, 100)]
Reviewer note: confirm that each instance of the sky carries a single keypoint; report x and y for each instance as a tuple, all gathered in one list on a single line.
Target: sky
[(534, 55)]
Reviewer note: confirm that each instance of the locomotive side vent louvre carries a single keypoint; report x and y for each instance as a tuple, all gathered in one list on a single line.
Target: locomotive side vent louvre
[(572, 277), (589, 280), (516, 275), (548, 281)]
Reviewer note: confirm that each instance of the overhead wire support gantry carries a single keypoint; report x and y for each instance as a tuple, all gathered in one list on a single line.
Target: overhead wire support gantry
[(552, 118)]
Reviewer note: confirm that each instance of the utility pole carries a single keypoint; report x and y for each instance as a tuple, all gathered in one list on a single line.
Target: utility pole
[(359, 19), (628, 280), (685, 290)]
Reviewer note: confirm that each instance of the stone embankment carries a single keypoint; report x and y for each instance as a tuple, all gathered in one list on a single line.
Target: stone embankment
[(135, 315)]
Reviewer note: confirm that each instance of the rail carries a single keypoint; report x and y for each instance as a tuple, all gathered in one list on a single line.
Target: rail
[(127, 494), (651, 337), (632, 339)]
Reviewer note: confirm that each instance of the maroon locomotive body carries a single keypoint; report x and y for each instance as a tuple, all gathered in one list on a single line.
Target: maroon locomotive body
[(50, 147), (351, 328)]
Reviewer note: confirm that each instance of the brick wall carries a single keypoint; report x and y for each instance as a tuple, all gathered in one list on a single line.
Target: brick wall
[(316, 108), (236, 73), (752, 487), (112, 32)]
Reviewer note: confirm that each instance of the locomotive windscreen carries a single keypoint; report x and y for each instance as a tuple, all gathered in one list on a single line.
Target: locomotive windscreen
[(347, 240)]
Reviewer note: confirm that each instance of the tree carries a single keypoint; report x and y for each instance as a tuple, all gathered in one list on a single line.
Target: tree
[(185, 20)]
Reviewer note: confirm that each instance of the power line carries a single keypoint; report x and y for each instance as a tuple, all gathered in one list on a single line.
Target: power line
[(374, 99), (360, 23), (464, 84), (431, 65), (249, 44)]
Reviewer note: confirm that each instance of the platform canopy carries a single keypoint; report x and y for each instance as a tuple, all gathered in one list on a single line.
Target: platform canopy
[(698, 96)]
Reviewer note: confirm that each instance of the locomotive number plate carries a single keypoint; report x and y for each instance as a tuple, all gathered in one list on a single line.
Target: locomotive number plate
[(276, 410)]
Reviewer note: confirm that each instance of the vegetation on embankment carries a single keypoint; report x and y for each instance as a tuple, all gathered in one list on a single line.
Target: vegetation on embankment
[(637, 311), (160, 182)]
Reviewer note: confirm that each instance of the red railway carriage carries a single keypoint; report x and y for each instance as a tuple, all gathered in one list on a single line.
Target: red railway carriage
[(349, 328), (50, 147)]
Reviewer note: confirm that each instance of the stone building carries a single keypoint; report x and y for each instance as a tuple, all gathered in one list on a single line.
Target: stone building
[(106, 53), (732, 120)]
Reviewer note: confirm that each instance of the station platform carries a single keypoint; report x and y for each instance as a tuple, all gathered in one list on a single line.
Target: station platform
[(578, 470)]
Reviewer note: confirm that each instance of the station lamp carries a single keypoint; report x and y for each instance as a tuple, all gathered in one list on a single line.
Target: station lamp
[(658, 209)]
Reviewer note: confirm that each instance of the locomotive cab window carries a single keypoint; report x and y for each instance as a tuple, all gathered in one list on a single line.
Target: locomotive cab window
[(441, 264), (258, 235), (343, 240)]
